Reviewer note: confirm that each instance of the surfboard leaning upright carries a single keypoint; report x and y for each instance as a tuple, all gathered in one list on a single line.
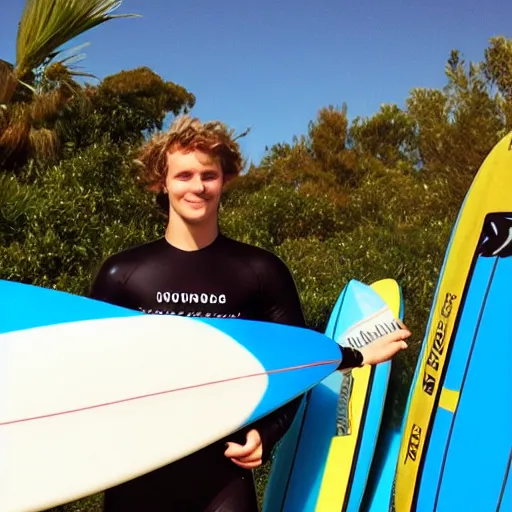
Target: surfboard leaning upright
[(487, 203), (351, 457), (314, 469)]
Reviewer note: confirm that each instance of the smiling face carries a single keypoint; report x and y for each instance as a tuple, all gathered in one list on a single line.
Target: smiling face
[(194, 184)]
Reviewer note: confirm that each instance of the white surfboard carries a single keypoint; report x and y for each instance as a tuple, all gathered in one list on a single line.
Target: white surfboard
[(102, 394)]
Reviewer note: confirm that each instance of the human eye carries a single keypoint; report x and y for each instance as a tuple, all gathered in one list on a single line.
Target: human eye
[(210, 175)]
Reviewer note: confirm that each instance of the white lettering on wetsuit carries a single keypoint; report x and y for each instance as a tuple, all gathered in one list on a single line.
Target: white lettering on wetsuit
[(190, 298), (189, 313)]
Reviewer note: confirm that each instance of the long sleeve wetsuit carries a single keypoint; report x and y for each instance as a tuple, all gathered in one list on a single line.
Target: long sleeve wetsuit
[(225, 279)]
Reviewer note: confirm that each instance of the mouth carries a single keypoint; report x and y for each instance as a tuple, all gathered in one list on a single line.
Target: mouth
[(201, 202)]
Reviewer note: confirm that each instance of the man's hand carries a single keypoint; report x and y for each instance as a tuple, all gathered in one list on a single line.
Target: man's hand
[(249, 455), (385, 348)]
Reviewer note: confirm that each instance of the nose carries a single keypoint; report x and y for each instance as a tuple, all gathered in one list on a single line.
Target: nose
[(198, 185)]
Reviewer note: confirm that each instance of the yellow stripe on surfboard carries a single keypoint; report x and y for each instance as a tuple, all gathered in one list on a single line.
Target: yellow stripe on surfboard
[(338, 468), (336, 478), (489, 192), (449, 399)]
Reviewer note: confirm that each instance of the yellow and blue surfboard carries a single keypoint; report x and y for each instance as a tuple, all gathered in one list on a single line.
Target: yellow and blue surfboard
[(350, 457), (455, 450), (315, 469)]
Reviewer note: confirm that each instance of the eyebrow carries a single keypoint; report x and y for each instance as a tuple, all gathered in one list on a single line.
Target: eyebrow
[(201, 172)]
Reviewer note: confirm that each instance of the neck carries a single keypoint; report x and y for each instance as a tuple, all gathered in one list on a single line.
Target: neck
[(190, 237)]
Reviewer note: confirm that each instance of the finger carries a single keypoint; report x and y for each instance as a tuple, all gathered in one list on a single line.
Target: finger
[(234, 450), (247, 465), (253, 457), (397, 347), (401, 324), (404, 333), (252, 443), (237, 450), (253, 438), (396, 336)]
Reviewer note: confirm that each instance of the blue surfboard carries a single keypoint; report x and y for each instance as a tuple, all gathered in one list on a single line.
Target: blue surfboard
[(305, 473), (456, 439), (92, 394), (474, 398), (475, 393)]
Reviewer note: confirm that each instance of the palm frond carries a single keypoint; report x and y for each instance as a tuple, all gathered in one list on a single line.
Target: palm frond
[(46, 25), (14, 136), (28, 127), (8, 82), (44, 143)]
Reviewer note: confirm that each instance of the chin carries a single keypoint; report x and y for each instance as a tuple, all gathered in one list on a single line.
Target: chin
[(196, 216), (196, 219)]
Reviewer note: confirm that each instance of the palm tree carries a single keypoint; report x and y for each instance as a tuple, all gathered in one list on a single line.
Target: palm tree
[(35, 89)]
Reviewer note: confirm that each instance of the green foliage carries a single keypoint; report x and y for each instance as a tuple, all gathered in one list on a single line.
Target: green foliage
[(498, 65), (328, 140), (275, 214), (17, 205), (73, 215), (388, 136), (497, 68), (145, 95), (458, 126)]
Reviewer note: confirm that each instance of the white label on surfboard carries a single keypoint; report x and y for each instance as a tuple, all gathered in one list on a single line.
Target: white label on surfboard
[(369, 329), (103, 392), (359, 335)]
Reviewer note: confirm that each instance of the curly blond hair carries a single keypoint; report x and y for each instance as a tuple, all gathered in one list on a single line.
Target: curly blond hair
[(188, 134)]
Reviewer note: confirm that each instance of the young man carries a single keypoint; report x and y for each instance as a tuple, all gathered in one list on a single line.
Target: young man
[(196, 270)]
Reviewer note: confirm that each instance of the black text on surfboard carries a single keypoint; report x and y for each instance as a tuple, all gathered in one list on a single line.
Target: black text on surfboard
[(437, 351), (364, 337), (414, 443)]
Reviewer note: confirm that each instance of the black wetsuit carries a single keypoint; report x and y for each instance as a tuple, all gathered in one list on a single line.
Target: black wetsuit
[(226, 279)]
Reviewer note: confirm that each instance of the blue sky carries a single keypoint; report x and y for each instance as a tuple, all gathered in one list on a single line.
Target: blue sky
[(272, 65)]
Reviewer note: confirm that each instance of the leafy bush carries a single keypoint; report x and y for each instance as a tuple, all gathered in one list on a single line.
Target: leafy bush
[(74, 215)]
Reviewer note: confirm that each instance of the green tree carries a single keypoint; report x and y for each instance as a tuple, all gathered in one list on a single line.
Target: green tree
[(328, 136), (388, 137), (428, 110), (36, 87), (123, 107), (142, 90), (476, 120), (497, 68)]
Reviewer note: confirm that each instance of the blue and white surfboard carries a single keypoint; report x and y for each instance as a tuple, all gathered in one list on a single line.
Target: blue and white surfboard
[(92, 395)]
